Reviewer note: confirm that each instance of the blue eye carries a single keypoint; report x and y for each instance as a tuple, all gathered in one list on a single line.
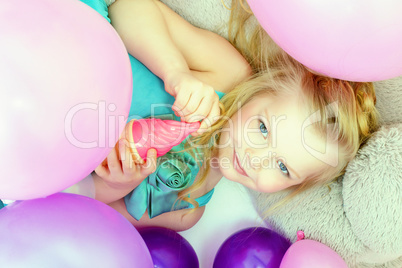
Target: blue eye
[(263, 130), (283, 168)]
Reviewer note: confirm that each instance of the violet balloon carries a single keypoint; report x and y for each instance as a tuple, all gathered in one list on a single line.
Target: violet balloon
[(252, 247), (66, 230), (311, 254), (169, 249), (352, 40), (66, 82)]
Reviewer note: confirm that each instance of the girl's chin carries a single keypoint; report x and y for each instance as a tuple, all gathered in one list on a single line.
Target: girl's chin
[(235, 177), (228, 175)]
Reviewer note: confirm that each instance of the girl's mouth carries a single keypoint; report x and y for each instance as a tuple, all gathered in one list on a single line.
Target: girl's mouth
[(237, 166)]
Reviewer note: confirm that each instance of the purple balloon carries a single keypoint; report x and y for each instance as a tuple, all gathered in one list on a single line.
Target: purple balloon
[(169, 249), (67, 230), (252, 247)]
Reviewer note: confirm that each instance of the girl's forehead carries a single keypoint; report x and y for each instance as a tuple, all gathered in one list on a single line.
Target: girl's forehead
[(293, 137), (284, 107), (284, 100), (299, 143)]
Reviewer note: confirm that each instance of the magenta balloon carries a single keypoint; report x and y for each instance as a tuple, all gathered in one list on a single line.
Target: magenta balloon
[(311, 254), (353, 40), (65, 83), (66, 230)]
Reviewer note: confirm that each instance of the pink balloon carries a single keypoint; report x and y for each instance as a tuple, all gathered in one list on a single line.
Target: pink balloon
[(311, 254), (352, 40), (65, 83), (67, 230)]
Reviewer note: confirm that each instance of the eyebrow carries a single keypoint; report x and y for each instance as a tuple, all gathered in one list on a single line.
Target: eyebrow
[(293, 172), (267, 114)]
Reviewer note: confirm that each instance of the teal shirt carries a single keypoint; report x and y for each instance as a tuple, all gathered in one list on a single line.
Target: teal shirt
[(176, 170)]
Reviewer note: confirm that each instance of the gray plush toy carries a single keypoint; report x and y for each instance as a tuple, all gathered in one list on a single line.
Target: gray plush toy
[(360, 217)]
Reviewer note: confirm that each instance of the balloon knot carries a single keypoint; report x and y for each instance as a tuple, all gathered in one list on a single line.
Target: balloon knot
[(300, 235)]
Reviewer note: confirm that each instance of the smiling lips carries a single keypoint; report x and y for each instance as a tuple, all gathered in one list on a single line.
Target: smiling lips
[(237, 166)]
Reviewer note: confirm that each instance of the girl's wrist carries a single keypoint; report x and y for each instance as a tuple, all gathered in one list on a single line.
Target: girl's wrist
[(105, 193), (172, 78)]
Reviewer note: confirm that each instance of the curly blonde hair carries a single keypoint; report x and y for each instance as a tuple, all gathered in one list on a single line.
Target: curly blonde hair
[(352, 120)]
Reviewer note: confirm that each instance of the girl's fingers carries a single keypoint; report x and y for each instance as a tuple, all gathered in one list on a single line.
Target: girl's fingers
[(104, 162), (192, 105), (198, 110), (102, 170), (211, 118), (205, 108), (150, 164), (177, 111), (126, 158), (181, 101), (113, 162)]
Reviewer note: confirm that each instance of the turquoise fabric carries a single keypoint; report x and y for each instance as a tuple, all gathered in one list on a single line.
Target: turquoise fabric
[(176, 170), (1, 204), (159, 191), (100, 6)]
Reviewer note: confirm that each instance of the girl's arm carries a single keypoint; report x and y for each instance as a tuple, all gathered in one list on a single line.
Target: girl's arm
[(186, 58), (209, 56), (164, 42), (143, 29), (144, 32)]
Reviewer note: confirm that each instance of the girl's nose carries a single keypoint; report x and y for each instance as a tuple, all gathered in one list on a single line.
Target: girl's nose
[(252, 159), (258, 158)]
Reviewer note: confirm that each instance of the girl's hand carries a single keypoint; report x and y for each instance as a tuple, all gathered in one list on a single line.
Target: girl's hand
[(120, 172), (195, 100)]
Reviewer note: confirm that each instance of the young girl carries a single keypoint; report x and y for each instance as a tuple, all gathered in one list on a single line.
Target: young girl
[(284, 127), (191, 63)]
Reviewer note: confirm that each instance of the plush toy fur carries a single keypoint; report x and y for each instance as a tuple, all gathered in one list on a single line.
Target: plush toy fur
[(359, 216), (109, 2)]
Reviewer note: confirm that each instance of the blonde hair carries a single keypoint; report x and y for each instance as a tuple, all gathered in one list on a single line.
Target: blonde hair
[(350, 122)]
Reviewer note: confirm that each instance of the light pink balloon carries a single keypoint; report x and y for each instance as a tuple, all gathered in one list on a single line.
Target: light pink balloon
[(65, 82), (352, 40), (311, 254)]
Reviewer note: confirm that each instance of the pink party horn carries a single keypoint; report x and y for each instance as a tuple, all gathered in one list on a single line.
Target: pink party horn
[(161, 135)]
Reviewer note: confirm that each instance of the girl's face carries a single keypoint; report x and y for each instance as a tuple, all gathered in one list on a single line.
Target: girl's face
[(270, 145)]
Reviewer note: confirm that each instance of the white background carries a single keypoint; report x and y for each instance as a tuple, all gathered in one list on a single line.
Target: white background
[(229, 211)]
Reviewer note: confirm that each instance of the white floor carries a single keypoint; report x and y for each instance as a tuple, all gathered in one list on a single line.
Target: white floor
[(229, 211)]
